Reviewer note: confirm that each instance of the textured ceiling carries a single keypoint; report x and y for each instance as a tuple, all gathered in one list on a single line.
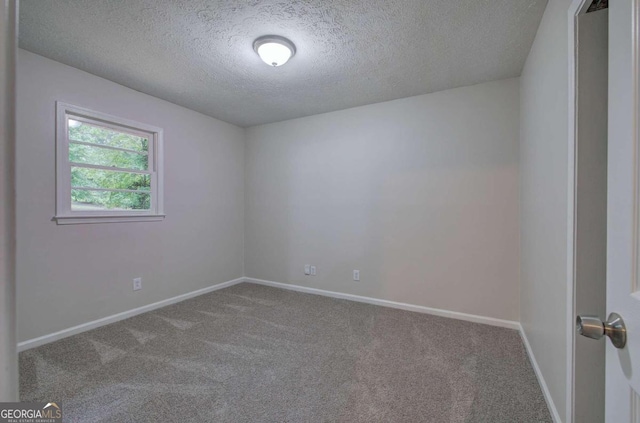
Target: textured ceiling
[(198, 53)]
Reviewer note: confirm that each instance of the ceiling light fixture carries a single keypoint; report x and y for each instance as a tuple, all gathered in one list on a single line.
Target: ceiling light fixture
[(274, 50)]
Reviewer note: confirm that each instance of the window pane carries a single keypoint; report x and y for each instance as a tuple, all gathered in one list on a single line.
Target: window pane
[(86, 200), (107, 179), (85, 132), (80, 153)]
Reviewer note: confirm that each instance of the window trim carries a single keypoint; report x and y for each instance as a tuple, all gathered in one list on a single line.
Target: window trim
[(64, 215)]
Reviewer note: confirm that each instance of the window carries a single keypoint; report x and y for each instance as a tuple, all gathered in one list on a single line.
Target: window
[(107, 169)]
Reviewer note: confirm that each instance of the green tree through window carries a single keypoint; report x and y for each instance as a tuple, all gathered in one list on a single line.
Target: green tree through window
[(127, 187)]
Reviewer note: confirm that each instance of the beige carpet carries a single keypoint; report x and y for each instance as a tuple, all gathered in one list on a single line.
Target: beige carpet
[(251, 353)]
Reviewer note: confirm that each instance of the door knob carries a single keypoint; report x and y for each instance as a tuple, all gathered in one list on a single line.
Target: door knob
[(593, 327)]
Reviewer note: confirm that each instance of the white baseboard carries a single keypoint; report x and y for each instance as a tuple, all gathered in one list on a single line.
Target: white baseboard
[(543, 385), (386, 303), (36, 342)]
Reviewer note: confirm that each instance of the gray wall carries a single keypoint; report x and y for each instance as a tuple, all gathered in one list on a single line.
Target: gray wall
[(68, 275), (419, 194), (543, 193)]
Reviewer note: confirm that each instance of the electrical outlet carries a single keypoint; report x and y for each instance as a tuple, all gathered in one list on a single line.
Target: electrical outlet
[(137, 284), (307, 269), (313, 271), (356, 275)]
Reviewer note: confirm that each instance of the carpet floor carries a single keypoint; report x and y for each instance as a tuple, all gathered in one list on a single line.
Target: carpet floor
[(250, 353)]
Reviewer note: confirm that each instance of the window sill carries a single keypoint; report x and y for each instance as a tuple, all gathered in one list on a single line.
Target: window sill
[(77, 220)]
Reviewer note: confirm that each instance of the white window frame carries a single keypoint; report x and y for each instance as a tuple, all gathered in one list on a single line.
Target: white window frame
[(64, 214)]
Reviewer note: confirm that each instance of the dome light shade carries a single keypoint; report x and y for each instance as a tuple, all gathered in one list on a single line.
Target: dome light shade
[(274, 50)]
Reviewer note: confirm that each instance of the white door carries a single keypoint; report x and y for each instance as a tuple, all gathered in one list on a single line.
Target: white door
[(623, 208)]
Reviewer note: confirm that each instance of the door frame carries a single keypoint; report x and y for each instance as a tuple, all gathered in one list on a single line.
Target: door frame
[(577, 8), (8, 59)]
